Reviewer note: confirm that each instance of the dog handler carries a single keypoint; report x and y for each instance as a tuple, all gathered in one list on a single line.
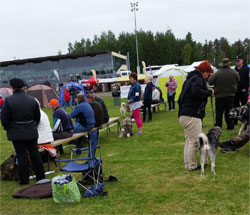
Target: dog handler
[(134, 100), (20, 117), (192, 103)]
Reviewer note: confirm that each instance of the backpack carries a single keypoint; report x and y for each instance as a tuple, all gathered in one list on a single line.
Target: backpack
[(9, 170)]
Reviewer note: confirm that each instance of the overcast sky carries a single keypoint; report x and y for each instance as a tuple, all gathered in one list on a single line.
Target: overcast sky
[(34, 28)]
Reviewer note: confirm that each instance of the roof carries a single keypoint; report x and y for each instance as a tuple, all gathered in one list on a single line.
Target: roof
[(53, 58)]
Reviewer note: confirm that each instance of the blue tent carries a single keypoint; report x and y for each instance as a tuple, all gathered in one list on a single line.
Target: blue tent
[(71, 86)]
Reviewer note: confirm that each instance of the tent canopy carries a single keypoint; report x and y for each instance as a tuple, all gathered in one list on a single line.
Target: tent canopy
[(72, 86), (5, 92), (92, 81), (195, 64), (42, 93)]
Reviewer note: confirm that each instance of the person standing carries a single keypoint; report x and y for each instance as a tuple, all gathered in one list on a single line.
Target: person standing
[(147, 99), (243, 85), (192, 103), (225, 83), (20, 117), (134, 101), (67, 98), (171, 85)]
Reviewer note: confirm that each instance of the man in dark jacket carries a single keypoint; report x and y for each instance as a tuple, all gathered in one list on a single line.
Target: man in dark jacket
[(62, 123), (225, 82), (20, 117), (147, 99), (93, 97), (192, 103), (243, 85)]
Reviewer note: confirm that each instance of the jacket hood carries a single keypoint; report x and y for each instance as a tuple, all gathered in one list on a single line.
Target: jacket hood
[(193, 73)]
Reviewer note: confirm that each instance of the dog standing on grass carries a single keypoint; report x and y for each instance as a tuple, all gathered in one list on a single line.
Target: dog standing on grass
[(124, 109), (208, 147)]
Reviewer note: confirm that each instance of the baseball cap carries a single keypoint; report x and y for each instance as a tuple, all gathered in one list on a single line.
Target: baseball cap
[(54, 102), (239, 58)]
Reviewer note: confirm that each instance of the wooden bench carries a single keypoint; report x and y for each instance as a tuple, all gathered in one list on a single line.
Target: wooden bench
[(106, 126), (158, 104)]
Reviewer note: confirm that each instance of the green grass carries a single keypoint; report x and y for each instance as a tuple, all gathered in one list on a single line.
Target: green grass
[(151, 175)]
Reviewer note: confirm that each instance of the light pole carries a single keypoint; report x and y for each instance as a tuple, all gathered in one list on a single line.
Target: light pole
[(134, 8)]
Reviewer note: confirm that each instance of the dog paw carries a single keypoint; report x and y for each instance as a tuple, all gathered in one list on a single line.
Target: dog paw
[(128, 135)]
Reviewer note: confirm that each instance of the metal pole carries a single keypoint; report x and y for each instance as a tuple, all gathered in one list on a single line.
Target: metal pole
[(134, 7)]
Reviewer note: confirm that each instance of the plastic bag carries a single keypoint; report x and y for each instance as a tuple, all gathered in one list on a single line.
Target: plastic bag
[(66, 192)]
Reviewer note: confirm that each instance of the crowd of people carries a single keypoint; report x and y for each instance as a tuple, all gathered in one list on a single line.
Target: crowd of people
[(27, 125)]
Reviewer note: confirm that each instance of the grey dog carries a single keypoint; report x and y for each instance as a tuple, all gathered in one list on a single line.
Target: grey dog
[(126, 130), (208, 147)]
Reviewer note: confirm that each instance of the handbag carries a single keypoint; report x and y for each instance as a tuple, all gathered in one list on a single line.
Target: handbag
[(65, 193)]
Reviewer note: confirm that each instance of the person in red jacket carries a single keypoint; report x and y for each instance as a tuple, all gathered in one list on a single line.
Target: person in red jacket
[(67, 98)]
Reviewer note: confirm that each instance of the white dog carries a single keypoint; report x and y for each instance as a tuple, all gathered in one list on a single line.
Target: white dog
[(124, 108)]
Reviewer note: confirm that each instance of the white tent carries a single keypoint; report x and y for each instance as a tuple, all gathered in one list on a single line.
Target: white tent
[(162, 76), (195, 64)]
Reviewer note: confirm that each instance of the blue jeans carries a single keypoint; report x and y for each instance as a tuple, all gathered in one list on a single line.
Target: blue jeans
[(78, 128), (66, 103)]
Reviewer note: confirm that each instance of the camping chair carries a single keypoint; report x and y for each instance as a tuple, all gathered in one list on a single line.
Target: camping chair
[(91, 168)]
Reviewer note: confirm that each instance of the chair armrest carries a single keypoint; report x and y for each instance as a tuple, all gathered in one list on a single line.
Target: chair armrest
[(75, 159)]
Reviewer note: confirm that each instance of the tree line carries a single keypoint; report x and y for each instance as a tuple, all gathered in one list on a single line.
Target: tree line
[(164, 48)]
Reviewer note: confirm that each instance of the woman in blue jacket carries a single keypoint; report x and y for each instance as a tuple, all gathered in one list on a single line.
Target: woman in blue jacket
[(134, 100)]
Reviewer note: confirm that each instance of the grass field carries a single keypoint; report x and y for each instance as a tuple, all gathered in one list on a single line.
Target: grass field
[(151, 175)]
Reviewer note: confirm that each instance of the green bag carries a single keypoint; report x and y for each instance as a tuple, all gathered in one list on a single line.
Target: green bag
[(66, 193)]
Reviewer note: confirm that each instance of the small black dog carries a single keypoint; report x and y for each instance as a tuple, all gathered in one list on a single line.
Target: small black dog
[(208, 147)]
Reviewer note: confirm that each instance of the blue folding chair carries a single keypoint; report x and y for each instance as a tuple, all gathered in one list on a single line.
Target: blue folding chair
[(92, 167)]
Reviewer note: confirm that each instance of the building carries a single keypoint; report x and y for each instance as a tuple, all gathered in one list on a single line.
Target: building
[(62, 68)]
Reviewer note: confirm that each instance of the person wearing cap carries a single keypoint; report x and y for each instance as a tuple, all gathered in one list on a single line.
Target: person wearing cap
[(147, 100), (192, 103), (62, 123), (243, 85), (225, 82), (171, 85), (93, 97), (20, 117), (84, 115)]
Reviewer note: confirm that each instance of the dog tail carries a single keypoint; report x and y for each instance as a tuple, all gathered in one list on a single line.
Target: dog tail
[(203, 141)]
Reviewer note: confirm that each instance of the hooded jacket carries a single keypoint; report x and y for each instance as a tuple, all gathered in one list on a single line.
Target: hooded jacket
[(193, 97)]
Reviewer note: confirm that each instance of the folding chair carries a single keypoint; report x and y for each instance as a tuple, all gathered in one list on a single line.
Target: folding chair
[(92, 168)]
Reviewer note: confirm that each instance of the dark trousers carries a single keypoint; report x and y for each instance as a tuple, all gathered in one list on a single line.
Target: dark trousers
[(222, 105), (61, 135), (171, 101), (147, 105), (240, 97), (21, 148)]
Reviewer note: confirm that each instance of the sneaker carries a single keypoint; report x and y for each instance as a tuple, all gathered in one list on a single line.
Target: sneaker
[(172, 110), (228, 150), (149, 120), (138, 133)]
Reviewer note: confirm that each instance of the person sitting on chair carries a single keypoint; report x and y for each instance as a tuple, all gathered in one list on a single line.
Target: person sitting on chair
[(156, 98)]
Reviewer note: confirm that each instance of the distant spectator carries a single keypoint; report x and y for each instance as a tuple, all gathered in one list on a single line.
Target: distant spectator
[(147, 100), (67, 98), (62, 123), (243, 85), (156, 98), (134, 100), (171, 85), (1, 102), (225, 83), (93, 97)]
